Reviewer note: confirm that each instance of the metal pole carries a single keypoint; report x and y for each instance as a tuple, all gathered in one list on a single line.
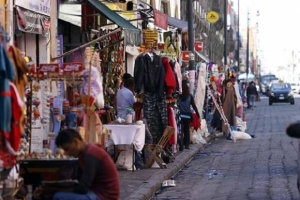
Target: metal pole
[(247, 49), (191, 44), (238, 34), (225, 33)]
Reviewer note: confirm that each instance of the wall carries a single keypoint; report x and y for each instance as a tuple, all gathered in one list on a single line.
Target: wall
[(27, 43)]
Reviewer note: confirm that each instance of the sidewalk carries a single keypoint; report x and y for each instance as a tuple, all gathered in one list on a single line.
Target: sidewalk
[(143, 184)]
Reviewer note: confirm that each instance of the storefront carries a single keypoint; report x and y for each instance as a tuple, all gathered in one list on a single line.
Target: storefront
[(32, 29)]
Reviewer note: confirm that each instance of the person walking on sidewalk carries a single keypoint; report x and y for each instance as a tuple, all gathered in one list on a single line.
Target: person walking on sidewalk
[(252, 94), (186, 100)]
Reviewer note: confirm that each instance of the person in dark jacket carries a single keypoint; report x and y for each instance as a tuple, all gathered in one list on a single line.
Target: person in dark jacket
[(186, 100), (251, 94)]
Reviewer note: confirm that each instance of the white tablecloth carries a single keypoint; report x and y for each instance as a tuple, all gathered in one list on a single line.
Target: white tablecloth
[(127, 134)]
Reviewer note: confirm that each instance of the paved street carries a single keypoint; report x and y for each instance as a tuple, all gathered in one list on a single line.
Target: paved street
[(259, 169)]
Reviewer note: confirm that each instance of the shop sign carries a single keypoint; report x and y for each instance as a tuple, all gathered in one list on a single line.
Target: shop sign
[(32, 22), (212, 17), (54, 67), (160, 19), (72, 68), (39, 6), (150, 37), (185, 56), (198, 46)]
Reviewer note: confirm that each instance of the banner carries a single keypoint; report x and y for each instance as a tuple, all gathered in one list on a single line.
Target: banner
[(39, 6), (160, 19), (32, 22)]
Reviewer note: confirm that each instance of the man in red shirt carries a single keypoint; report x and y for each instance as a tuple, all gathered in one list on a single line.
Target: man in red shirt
[(99, 177)]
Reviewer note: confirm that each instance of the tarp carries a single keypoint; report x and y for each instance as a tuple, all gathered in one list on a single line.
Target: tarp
[(244, 76)]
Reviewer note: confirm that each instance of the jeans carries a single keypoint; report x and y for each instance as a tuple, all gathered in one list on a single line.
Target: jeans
[(74, 196), (252, 100), (185, 123)]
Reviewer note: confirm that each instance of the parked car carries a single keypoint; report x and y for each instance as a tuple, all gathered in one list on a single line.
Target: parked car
[(281, 92), (295, 87)]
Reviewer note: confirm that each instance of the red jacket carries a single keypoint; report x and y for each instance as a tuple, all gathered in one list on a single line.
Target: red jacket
[(169, 77)]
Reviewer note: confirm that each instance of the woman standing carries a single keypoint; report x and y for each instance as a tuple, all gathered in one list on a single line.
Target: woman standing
[(186, 100)]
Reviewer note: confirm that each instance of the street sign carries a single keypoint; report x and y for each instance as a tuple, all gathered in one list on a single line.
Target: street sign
[(185, 56), (198, 46), (212, 17)]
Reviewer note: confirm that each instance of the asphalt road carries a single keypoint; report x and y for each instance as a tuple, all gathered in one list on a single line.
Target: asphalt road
[(262, 168)]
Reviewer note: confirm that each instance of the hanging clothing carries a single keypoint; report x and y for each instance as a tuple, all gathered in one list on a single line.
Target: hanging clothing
[(155, 112), (20, 68), (172, 123), (7, 73), (229, 105), (149, 74), (177, 69), (201, 89), (138, 74), (169, 78), (195, 122), (172, 64), (17, 103)]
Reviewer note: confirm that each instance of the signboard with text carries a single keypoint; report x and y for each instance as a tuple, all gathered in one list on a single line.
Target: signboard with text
[(150, 37), (51, 69), (72, 68), (39, 6), (32, 22)]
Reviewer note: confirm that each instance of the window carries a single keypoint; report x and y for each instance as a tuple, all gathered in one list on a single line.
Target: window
[(164, 7), (176, 12), (152, 3)]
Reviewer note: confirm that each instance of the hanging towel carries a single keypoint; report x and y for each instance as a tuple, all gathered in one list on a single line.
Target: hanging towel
[(6, 74)]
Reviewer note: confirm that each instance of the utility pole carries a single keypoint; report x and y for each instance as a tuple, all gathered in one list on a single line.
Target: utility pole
[(225, 33), (247, 48), (191, 43)]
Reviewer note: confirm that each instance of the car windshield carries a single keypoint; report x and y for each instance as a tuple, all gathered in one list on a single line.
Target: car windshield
[(280, 86)]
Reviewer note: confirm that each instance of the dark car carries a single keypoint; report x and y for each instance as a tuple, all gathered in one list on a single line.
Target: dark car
[(281, 92)]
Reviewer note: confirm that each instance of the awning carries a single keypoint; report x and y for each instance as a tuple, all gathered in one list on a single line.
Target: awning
[(203, 57), (183, 25), (132, 35)]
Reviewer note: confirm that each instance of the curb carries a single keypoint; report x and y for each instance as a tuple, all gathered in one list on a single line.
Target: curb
[(148, 189)]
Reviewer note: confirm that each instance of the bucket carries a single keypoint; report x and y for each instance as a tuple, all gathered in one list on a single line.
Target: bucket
[(128, 119)]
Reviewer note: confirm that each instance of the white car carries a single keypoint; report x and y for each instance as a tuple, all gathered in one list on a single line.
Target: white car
[(295, 87)]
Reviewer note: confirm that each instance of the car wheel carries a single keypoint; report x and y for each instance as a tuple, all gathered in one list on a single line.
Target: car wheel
[(270, 102), (292, 102)]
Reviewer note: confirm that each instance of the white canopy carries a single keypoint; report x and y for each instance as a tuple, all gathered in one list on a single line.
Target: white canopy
[(245, 76)]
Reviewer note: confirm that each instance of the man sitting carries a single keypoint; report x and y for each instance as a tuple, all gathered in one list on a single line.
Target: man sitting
[(99, 178), (125, 97)]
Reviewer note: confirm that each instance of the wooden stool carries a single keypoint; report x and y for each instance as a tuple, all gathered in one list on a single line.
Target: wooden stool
[(156, 149)]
